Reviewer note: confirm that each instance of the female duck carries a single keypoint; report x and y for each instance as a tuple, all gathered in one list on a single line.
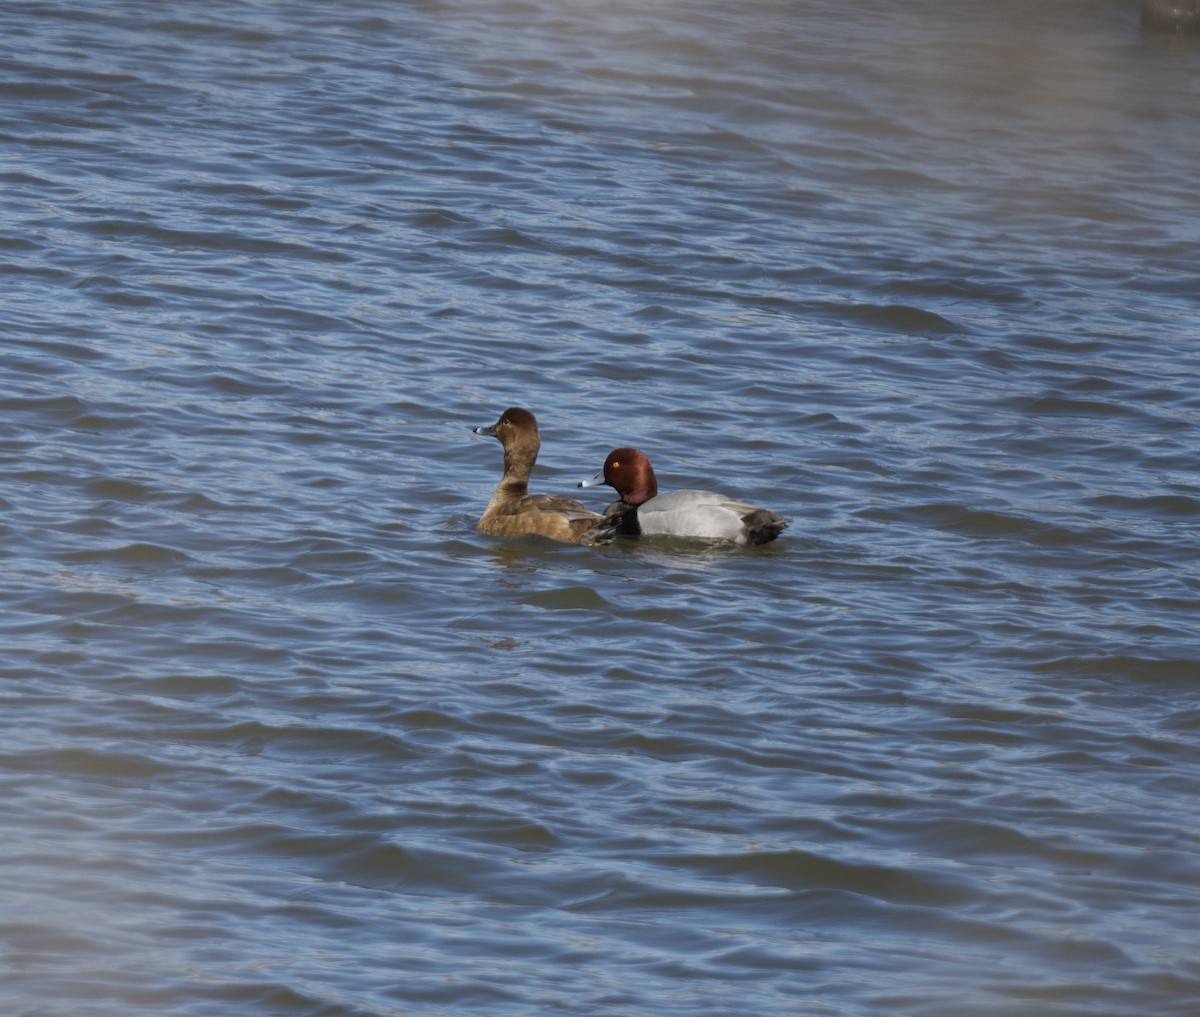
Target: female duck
[(513, 511), (680, 513)]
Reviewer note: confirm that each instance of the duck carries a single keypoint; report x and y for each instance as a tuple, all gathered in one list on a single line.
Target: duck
[(513, 511), (642, 510)]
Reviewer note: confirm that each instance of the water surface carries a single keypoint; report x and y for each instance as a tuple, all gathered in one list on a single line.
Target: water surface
[(283, 734)]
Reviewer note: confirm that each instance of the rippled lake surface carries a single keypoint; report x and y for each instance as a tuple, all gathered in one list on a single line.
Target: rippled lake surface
[(284, 735)]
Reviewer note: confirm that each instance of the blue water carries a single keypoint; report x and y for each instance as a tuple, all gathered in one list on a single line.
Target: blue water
[(283, 734)]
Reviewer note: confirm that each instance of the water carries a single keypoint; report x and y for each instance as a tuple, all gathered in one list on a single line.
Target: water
[(284, 735)]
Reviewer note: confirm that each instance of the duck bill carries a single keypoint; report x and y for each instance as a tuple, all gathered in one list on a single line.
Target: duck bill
[(488, 431), (595, 481)]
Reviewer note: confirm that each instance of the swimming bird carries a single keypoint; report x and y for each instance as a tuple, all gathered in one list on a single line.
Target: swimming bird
[(642, 510), (513, 511)]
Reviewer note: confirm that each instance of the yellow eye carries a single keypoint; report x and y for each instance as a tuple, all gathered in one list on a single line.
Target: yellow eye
[(615, 464)]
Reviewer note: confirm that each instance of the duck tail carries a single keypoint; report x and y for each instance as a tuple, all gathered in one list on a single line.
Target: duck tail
[(762, 525)]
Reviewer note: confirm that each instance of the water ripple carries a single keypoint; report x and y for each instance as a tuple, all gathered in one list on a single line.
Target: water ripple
[(282, 724)]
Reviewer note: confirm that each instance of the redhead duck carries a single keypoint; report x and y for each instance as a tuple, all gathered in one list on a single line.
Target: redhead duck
[(513, 510), (680, 513)]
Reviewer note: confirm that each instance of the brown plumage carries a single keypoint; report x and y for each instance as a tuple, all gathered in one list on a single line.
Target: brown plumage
[(513, 511)]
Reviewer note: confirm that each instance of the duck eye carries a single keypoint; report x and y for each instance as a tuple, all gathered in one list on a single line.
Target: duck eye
[(615, 464)]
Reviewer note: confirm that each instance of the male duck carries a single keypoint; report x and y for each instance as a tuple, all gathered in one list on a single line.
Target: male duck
[(513, 511), (642, 510)]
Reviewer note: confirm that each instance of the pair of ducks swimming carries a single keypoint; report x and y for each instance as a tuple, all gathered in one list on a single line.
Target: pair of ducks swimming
[(513, 511)]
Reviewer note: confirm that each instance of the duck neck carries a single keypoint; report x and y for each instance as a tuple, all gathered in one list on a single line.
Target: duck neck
[(518, 465), (642, 490)]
